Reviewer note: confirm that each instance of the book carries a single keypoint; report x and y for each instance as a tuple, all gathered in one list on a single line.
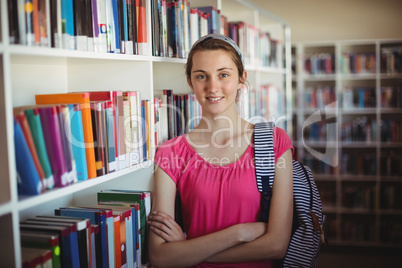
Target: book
[(29, 182), (96, 129), (126, 218), (32, 115), (95, 25), (80, 226), (83, 227), (66, 240), (48, 241), (34, 257), (83, 99), (68, 24), (78, 142), (119, 109), (133, 98), (97, 217), (131, 230), (103, 142), (13, 29), (54, 144), (142, 27), (143, 198), (65, 131), (20, 116), (116, 26), (89, 27), (110, 130), (102, 25), (81, 24)]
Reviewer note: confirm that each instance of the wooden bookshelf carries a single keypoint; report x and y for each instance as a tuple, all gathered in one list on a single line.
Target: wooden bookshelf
[(362, 186), (26, 71)]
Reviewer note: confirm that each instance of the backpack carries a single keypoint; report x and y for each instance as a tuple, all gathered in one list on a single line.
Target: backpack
[(307, 231)]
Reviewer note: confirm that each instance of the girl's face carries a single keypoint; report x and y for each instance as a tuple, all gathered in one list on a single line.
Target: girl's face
[(215, 81)]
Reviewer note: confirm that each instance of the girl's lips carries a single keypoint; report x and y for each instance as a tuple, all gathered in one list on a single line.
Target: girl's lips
[(214, 99)]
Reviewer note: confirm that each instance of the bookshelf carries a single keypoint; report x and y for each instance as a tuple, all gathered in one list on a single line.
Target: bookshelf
[(354, 86), (26, 71)]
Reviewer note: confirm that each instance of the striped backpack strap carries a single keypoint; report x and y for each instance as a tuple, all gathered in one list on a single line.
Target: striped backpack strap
[(264, 159)]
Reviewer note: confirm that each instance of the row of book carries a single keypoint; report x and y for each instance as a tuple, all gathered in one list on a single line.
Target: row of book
[(318, 166), (391, 130), (362, 197), (389, 197), (176, 114), (110, 234), (116, 26), (391, 59), (358, 97), (391, 97), (319, 63), (75, 136), (357, 63), (320, 96), (358, 230), (176, 26), (391, 163), (327, 195), (359, 129), (268, 101), (320, 131), (391, 231), (355, 163)]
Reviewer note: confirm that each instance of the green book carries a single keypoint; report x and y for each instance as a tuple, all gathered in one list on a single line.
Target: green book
[(34, 122), (43, 241)]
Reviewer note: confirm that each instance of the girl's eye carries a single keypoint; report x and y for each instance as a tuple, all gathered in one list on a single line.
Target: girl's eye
[(201, 76)]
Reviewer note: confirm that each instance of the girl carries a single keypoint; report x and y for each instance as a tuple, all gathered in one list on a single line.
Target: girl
[(213, 169)]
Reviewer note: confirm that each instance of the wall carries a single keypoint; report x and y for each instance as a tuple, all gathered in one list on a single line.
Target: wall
[(320, 20)]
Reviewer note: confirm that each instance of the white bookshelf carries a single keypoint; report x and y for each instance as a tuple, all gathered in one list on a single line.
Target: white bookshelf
[(335, 181), (26, 71)]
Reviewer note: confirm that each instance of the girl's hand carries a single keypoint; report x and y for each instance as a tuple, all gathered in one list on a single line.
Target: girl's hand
[(165, 226)]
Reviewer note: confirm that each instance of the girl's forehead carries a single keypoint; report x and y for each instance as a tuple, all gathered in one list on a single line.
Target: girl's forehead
[(212, 57)]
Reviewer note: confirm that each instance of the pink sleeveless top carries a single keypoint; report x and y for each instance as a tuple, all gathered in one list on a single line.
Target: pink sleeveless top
[(215, 197)]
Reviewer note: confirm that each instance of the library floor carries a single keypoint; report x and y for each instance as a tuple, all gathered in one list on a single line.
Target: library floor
[(350, 258)]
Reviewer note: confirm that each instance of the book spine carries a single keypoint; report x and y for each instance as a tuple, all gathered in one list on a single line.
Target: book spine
[(37, 135), (102, 25), (142, 28), (77, 142), (30, 181)]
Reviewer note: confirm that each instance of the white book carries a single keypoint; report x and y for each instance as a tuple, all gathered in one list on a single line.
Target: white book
[(22, 22), (102, 25), (194, 29), (111, 40)]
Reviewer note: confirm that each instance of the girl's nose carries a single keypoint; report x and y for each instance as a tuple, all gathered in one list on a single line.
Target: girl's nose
[(212, 85)]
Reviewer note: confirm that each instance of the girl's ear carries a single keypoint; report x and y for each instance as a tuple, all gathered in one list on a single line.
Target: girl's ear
[(243, 78)]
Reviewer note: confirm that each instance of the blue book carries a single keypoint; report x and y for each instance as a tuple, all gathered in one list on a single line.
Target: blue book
[(65, 239), (211, 18), (116, 24), (67, 17), (96, 216), (110, 136), (30, 182), (77, 142), (125, 34), (144, 132)]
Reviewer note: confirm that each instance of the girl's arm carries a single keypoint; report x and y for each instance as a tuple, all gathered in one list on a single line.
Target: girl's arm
[(274, 243), (181, 252)]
